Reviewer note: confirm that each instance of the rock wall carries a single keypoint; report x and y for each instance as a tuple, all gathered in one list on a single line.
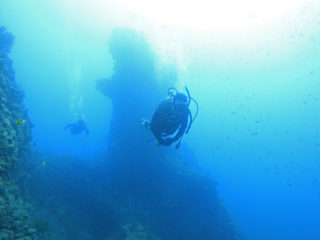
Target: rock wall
[(15, 138)]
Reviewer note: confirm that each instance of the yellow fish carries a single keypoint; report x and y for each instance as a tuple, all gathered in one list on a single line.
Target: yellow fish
[(43, 163), (20, 121)]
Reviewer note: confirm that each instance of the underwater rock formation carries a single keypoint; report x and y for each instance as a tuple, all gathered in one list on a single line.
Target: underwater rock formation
[(15, 137), (133, 231), (160, 187), (132, 87), (6, 40)]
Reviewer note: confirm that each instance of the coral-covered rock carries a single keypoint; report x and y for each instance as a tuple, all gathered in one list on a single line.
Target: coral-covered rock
[(15, 137)]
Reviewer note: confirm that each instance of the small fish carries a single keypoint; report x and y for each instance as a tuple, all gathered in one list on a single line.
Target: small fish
[(20, 121), (43, 163)]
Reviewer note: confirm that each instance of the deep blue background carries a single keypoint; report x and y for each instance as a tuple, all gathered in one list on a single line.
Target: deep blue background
[(258, 127)]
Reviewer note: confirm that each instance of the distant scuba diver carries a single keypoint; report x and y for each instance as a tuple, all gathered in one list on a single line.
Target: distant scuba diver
[(78, 127), (172, 116)]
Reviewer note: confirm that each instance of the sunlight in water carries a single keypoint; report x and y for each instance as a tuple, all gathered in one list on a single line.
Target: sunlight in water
[(211, 14), (76, 99), (201, 14), (168, 23)]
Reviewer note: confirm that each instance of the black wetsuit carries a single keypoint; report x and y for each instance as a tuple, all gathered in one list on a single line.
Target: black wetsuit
[(166, 121), (77, 127)]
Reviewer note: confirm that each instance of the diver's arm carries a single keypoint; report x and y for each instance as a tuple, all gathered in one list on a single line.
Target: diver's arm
[(182, 129), (165, 142), (179, 134)]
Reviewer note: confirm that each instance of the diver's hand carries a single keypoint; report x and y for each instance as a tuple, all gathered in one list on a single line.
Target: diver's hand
[(146, 123)]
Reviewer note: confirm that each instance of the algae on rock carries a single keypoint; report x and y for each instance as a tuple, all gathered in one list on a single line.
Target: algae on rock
[(14, 146)]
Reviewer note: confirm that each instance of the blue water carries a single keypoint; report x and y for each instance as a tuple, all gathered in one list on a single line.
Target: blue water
[(258, 88)]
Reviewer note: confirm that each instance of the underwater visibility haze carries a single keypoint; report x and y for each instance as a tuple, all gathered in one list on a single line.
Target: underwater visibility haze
[(80, 82)]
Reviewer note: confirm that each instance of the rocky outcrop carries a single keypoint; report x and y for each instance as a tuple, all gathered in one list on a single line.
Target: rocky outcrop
[(15, 137), (170, 196)]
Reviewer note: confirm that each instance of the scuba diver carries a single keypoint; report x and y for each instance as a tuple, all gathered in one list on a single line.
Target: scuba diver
[(78, 127), (172, 119)]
